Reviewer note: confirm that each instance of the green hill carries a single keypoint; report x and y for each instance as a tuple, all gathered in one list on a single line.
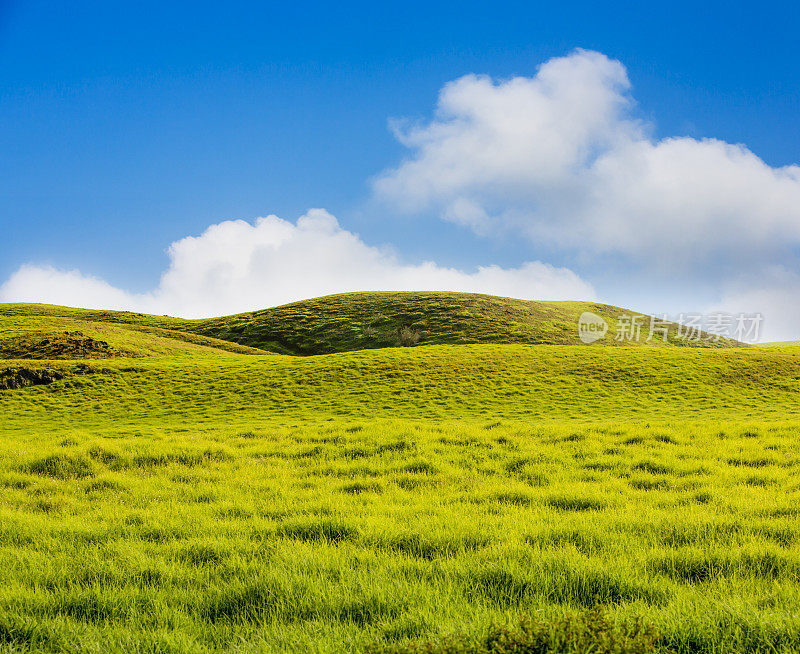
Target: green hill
[(358, 321), (27, 335)]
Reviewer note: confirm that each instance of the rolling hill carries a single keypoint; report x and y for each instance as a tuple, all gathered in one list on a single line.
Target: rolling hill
[(359, 321), (51, 336)]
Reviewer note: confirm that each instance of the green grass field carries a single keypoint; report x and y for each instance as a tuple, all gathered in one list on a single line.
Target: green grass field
[(176, 491)]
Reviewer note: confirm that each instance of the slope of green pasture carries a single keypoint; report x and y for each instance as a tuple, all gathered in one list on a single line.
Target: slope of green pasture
[(438, 382), (57, 337)]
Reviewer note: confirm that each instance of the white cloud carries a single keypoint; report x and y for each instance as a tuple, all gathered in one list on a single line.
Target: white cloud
[(558, 157), (773, 296), (31, 283), (236, 266)]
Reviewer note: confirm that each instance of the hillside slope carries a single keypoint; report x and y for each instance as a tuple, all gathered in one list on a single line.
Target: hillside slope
[(53, 337), (359, 321), (465, 383)]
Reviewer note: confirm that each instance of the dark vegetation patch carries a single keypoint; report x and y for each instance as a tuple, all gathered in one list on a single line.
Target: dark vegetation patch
[(464, 442), (633, 440), (87, 606), (60, 466), (514, 498), (650, 484), (404, 629), (519, 469), (414, 482), (783, 536), (654, 468), (315, 452), (159, 534), (15, 378), (560, 583), (700, 534), (102, 486), (354, 453), (431, 547), (109, 458), (250, 603), (65, 345), (14, 481), (703, 497), (200, 554), (696, 567), (759, 481), (666, 438), (575, 503), (395, 447), (590, 632), (784, 512), (329, 531), (586, 543), (517, 465), (188, 458), (358, 487), (233, 512), (754, 462), (262, 600), (48, 506), (535, 479), (420, 468), (600, 466)]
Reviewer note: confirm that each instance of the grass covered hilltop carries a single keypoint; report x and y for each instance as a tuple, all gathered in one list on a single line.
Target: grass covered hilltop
[(187, 486)]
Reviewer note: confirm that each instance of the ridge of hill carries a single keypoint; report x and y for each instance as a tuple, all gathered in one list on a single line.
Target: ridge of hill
[(370, 320)]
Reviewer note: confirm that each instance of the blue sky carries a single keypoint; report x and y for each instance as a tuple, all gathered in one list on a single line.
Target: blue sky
[(127, 127)]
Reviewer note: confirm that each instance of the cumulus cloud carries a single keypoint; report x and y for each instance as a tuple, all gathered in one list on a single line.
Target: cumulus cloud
[(236, 266), (560, 158)]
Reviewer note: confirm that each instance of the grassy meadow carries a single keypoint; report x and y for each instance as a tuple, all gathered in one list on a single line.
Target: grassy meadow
[(174, 492)]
